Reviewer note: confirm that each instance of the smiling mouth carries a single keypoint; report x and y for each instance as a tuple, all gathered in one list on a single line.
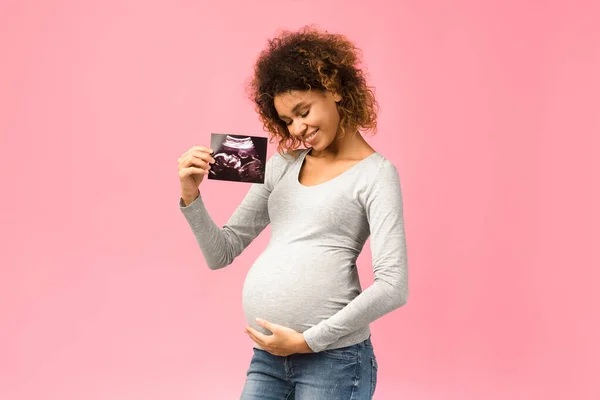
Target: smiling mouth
[(311, 136)]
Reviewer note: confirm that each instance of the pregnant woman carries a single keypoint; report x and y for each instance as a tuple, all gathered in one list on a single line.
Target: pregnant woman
[(326, 191)]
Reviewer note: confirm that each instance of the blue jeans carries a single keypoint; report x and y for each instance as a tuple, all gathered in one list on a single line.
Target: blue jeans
[(347, 373)]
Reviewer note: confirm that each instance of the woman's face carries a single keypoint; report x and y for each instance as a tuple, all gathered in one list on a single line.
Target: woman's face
[(311, 116)]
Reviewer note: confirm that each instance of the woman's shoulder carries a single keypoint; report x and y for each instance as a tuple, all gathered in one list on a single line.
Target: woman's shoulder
[(285, 160), (377, 171), (377, 163), (280, 164)]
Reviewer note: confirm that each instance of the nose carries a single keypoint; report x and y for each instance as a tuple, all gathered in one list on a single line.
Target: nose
[(297, 128)]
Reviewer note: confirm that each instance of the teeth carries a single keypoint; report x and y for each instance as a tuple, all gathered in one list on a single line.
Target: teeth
[(311, 136)]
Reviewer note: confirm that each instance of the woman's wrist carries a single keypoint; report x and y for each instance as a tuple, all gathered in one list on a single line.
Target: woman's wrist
[(188, 198)]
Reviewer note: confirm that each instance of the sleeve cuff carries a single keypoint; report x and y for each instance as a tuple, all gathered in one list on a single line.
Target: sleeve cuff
[(311, 341), (192, 205)]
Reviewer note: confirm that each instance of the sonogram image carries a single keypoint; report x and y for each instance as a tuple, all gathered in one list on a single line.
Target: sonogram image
[(238, 158)]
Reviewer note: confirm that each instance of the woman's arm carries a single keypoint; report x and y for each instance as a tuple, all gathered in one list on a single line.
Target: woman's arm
[(220, 246), (384, 209)]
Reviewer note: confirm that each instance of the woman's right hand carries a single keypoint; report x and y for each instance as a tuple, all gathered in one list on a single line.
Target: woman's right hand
[(193, 166)]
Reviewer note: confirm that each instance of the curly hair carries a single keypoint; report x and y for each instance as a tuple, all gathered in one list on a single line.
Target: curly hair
[(310, 59)]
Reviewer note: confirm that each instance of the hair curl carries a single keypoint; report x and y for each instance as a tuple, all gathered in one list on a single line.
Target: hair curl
[(310, 59)]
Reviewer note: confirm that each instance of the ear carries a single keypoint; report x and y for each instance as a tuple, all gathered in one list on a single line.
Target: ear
[(337, 98)]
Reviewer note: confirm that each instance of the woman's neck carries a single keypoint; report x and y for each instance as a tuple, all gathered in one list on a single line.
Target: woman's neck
[(350, 146)]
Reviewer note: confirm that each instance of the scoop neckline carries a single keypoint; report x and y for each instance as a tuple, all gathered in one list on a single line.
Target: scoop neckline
[(301, 163)]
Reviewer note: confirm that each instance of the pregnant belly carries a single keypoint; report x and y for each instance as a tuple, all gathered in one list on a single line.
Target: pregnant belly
[(299, 292)]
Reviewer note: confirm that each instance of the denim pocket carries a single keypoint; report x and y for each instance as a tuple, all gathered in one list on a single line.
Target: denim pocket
[(374, 368)]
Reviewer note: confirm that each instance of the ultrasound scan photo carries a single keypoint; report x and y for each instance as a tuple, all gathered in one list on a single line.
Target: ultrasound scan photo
[(238, 158)]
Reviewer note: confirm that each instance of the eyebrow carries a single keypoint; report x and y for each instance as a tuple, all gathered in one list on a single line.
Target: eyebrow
[(296, 107)]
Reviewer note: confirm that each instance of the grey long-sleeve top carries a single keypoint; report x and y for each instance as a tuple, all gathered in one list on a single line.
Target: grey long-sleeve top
[(306, 278)]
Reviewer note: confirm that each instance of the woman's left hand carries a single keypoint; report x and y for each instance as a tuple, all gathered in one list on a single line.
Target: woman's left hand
[(283, 342)]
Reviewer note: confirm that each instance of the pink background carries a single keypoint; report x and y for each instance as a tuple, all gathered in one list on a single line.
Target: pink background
[(489, 109)]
